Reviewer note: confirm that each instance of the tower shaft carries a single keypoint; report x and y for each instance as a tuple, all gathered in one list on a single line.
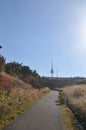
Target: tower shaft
[(52, 70)]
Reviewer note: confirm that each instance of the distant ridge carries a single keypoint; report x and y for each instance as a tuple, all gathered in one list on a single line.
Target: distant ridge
[(62, 81)]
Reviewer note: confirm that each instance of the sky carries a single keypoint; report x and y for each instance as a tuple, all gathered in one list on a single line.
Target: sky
[(37, 32)]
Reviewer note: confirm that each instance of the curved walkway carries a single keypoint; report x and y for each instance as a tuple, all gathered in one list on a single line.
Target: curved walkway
[(43, 115)]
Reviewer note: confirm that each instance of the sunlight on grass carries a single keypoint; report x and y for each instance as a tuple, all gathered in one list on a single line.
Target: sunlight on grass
[(76, 95), (75, 99), (15, 97), (15, 101)]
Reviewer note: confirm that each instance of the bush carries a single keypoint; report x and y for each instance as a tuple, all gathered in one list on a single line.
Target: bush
[(4, 83)]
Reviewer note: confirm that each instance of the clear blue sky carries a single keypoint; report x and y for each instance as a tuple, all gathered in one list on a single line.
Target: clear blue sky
[(34, 32)]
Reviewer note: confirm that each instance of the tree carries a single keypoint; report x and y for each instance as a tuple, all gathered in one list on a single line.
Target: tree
[(25, 71), (13, 68), (18, 70), (2, 63)]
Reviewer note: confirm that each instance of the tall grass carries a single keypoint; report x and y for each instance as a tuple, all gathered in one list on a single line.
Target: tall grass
[(76, 95), (15, 97), (74, 98), (15, 101)]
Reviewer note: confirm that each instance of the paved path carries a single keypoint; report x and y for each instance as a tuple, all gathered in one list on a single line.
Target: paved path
[(43, 115)]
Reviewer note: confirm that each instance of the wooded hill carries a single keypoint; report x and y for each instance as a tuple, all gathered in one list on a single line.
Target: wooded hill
[(62, 82), (20, 71)]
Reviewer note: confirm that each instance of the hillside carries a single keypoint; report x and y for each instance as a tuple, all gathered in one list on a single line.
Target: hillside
[(7, 81), (15, 97)]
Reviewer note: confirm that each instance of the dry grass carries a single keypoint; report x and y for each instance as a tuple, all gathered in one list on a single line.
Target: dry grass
[(75, 98), (15, 97), (67, 118), (14, 82), (76, 95), (15, 101)]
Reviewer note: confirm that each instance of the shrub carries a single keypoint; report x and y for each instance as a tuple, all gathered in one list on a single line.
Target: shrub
[(4, 83)]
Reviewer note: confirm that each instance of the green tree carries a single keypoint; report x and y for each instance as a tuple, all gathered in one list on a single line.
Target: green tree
[(25, 71), (2, 63), (36, 80), (13, 68)]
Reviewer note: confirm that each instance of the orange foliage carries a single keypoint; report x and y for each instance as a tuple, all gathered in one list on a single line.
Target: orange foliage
[(28, 79), (4, 82)]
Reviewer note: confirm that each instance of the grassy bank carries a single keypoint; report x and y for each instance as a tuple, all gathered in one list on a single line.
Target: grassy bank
[(76, 101), (7, 81), (17, 100), (67, 117), (76, 95), (15, 97)]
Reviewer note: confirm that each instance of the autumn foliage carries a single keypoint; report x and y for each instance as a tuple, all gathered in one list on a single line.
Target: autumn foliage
[(19, 88), (24, 73), (4, 83), (28, 79)]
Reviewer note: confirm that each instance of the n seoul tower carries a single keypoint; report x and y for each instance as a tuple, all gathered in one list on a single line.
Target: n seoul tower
[(52, 70)]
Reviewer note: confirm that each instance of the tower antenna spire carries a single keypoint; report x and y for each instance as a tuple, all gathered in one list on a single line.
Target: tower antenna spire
[(52, 70)]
